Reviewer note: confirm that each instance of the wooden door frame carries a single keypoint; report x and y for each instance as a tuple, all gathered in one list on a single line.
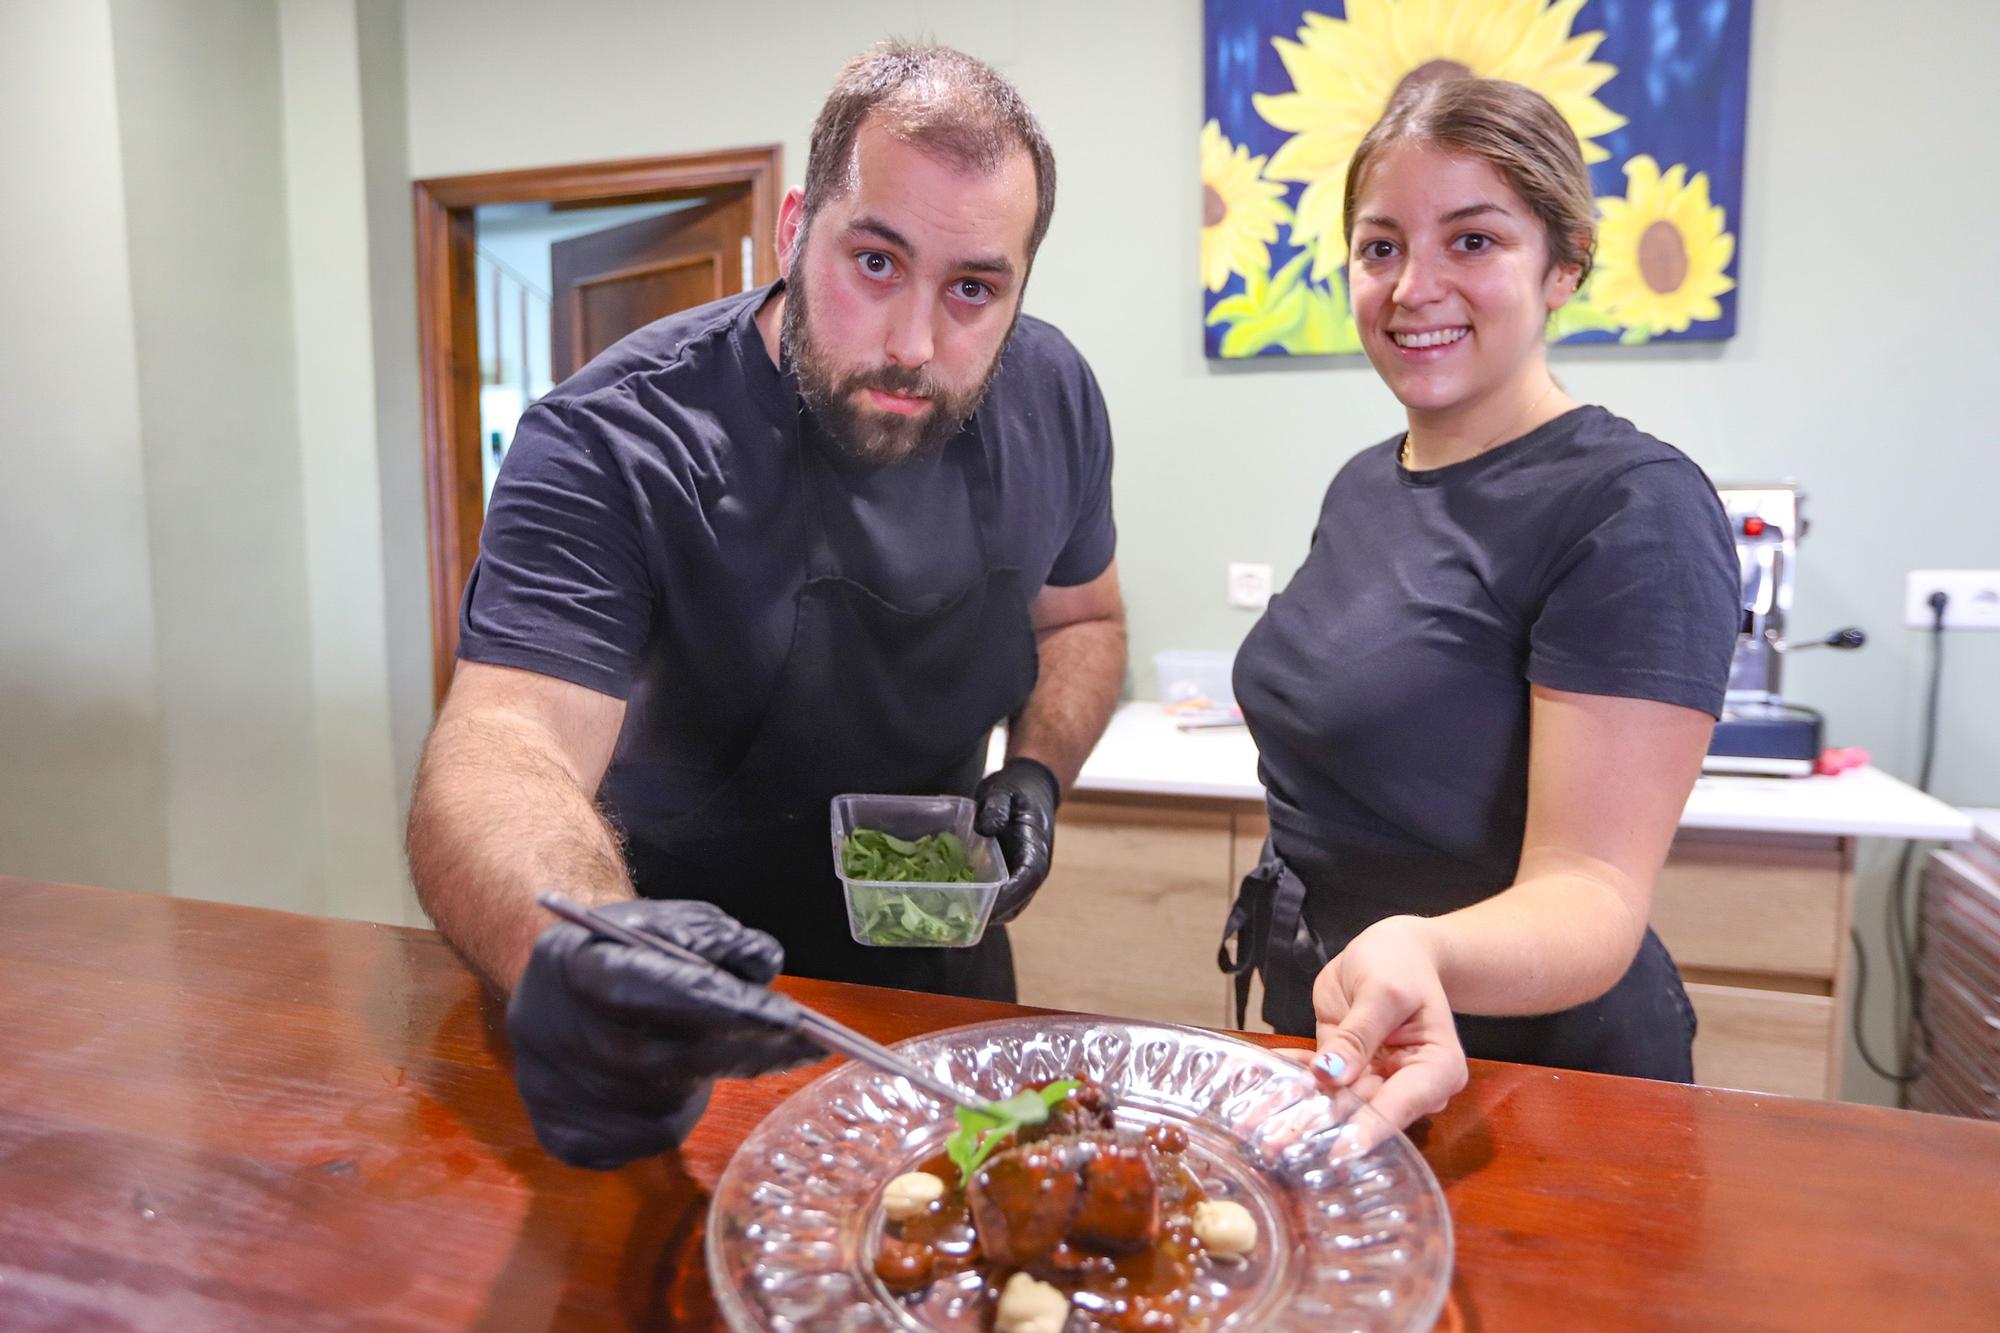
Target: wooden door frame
[(448, 325)]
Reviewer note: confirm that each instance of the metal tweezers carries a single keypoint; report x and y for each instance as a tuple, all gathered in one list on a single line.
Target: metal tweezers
[(790, 1015)]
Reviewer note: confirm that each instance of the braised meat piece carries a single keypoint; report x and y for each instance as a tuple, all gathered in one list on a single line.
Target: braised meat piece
[(1097, 1190), (1022, 1201), (1119, 1210)]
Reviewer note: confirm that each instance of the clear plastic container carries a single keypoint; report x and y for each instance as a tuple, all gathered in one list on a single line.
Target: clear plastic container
[(1194, 681), (906, 913)]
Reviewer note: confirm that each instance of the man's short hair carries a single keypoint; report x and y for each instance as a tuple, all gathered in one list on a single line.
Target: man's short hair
[(938, 99)]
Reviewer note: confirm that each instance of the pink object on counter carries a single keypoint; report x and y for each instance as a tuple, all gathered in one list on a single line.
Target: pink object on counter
[(1838, 760)]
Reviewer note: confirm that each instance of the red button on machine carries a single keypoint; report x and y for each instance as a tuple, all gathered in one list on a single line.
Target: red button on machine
[(1753, 526)]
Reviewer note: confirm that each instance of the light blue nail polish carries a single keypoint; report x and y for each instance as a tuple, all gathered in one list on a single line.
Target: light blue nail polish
[(1330, 1064)]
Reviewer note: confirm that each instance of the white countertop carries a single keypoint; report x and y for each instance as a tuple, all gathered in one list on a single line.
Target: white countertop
[(1861, 803), (1144, 752)]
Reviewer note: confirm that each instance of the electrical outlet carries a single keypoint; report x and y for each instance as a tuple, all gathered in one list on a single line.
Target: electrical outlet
[(1250, 585), (1974, 598)]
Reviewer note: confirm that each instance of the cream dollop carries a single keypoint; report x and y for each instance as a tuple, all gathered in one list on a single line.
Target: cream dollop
[(910, 1194), (1029, 1306), (1225, 1228)]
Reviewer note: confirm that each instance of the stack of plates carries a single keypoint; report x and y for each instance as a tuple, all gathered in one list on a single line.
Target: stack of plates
[(1960, 977)]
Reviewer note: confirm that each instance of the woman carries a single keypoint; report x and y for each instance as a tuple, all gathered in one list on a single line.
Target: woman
[(1481, 702)]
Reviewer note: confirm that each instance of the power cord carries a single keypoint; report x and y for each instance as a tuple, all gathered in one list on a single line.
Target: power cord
[(1904, 949)]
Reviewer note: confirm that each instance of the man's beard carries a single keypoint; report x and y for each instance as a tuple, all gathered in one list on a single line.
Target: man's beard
[(875, 437)]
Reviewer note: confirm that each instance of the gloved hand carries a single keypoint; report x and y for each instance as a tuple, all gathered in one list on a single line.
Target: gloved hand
[(1017, 805), (616, 1048)]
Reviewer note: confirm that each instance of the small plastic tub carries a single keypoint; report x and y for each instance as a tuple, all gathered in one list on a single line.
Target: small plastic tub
[(906, 913), (1194, 681)]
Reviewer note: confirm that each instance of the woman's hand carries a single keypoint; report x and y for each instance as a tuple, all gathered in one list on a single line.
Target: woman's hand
[(1385, 1027)]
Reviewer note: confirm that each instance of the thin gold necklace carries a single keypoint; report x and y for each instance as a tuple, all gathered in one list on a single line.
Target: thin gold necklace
[(1403, 453)]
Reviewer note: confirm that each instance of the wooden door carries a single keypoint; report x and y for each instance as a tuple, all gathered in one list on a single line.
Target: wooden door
[(608, 283), (448, 319)]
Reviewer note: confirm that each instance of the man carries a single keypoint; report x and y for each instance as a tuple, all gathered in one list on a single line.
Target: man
[(815, 539)]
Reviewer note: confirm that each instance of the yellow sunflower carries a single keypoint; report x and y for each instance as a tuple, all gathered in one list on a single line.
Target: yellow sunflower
[(1345, 71), (1240, 210), (1661, 251)]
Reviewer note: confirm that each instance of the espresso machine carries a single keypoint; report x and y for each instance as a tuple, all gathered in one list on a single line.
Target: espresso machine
[(1759, 732)]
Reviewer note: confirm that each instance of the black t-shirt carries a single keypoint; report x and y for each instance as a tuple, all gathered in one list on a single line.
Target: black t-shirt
[(1388, 685), (646, 536)]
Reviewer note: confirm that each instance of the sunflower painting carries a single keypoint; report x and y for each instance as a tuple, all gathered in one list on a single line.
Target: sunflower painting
[(1655, 90)]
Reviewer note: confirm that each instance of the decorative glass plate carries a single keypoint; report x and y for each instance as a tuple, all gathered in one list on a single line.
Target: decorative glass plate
[(1353, 1231)]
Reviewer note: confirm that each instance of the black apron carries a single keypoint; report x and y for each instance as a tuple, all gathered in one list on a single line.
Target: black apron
[(1319, 884), (873, 697)]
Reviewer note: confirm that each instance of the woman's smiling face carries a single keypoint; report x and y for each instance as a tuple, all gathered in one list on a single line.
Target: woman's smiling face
[(1451, 283)]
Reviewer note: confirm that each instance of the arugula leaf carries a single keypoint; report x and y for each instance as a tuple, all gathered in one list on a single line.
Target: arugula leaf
[(932, 917), (936, 858), (914, 916), (980, 1133)]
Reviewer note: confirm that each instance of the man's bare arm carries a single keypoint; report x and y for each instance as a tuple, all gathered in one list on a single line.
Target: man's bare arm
[(505, 805), (1080, 634)]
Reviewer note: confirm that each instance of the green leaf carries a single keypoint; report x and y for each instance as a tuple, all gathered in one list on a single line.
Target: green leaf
[(1286, 310), (936, 917), (1057, 1091), (964, 1146), (1232, 308), (1326, 329), (1288, 276), (1578, 315), (1252, 336), (1582, 314), (936, 858), (1245, 304), (981, 1133)]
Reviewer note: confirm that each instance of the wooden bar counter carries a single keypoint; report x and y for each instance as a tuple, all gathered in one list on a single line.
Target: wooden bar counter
[(221, 1117)]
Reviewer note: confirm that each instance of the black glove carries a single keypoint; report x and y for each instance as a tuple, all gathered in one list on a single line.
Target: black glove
[(1017, 805), (615, 1048)]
